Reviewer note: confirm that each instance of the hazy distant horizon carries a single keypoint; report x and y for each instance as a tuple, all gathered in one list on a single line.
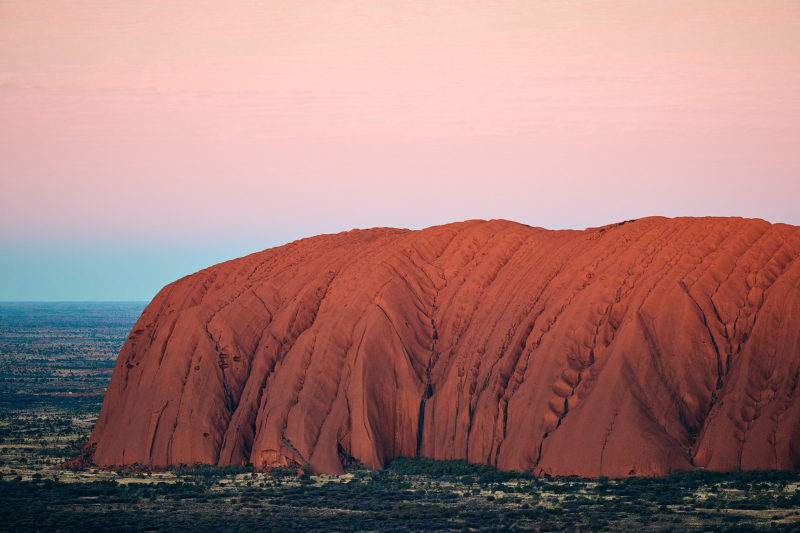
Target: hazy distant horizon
[(145, 141)]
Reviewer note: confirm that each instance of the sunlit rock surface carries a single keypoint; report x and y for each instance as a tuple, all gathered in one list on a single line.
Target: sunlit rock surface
[(632, 349)]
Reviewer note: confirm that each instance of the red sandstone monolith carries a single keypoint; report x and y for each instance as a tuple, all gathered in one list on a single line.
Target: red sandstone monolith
[(632, 349)]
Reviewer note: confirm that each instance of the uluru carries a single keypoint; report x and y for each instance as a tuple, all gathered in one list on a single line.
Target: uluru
[(637, 348)]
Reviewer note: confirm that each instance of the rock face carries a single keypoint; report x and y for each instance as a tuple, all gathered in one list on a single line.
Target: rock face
[(632, 349)]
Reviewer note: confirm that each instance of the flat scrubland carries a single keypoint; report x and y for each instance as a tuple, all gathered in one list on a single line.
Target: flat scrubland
[(53, 372)]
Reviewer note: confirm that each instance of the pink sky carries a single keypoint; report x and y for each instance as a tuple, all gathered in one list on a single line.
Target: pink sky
[(263, 122)]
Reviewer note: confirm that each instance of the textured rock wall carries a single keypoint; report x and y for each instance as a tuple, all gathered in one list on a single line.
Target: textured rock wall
[(636, 348)]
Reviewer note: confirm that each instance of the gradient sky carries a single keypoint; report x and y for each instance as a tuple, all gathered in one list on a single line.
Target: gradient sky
[(141, 141)]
